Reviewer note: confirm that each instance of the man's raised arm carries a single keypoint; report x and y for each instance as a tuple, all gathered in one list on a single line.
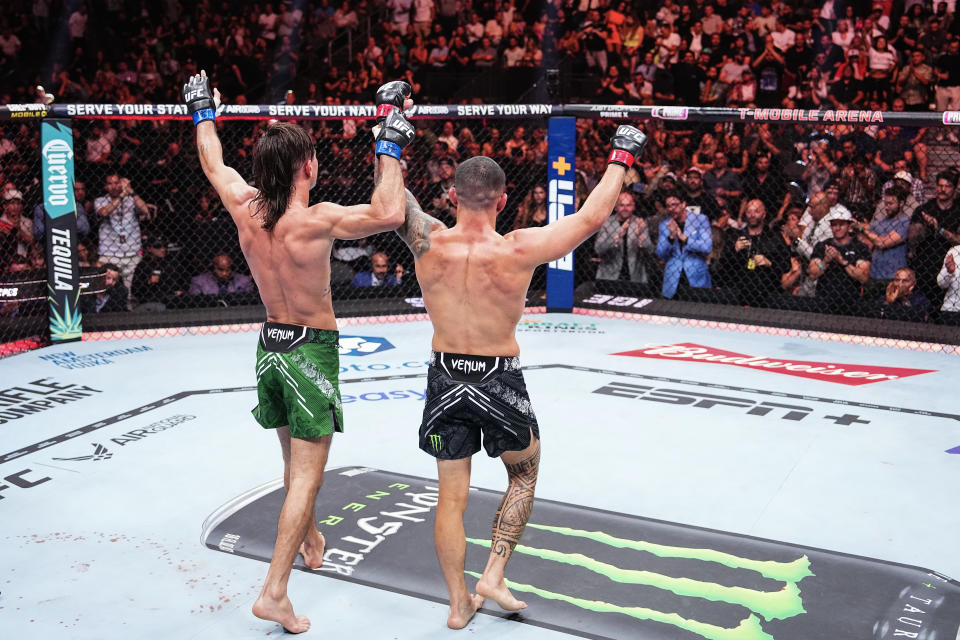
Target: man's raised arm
[(392, 133), (416, 226), (559, 238), (202, 102)]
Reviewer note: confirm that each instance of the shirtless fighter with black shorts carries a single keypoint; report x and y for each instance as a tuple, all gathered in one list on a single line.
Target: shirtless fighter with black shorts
[(474, 284), (287, 244)]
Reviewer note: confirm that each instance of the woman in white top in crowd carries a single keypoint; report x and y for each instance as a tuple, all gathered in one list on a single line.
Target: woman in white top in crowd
[(881, 69)]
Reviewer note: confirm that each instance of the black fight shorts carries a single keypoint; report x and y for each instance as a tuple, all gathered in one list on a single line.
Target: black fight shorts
[(472, 395)]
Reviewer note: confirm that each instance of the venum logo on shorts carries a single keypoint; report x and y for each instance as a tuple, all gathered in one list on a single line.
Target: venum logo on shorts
[(363, 345), (468, 366), (280, 334), (840, 373)]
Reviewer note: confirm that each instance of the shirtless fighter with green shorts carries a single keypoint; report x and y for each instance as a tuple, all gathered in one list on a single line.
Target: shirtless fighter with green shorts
[(287, 244)]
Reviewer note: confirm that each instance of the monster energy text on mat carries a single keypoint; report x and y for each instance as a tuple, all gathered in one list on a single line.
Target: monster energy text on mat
[(599, 574)]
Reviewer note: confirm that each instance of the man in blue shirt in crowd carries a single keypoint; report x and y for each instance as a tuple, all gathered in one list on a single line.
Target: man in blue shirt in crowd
[(377, 276), (684, 242)]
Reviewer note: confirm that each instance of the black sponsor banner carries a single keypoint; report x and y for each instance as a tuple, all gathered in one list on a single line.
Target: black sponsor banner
[(723, 114), (279, 111), (599, 574), (63, 272), (33, 285), (30, 286), (495, 111), (24, 111)]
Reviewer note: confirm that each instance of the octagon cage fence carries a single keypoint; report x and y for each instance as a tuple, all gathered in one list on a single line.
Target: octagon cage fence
[(167, 258)]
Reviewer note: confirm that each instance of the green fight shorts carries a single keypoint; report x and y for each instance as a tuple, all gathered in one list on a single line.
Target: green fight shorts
[(298, 380)]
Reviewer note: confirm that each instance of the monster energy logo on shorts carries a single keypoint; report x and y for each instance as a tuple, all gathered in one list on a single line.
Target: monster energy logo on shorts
[(600, 575), (770, 605), (436, 442)]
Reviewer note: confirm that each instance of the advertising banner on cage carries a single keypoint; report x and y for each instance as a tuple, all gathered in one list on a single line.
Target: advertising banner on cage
[(561, 167), (63, 273)]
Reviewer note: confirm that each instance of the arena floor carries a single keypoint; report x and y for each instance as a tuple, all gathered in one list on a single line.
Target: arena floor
[(113, 488)]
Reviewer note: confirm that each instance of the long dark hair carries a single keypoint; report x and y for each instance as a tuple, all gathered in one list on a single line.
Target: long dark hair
[(279, 154)]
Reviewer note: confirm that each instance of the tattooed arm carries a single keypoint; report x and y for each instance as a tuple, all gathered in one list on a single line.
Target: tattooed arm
[(416, 227)]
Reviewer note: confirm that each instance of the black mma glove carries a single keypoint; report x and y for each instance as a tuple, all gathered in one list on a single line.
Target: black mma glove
[(627, 143), (198, 94), (390, 96), (395, 135)]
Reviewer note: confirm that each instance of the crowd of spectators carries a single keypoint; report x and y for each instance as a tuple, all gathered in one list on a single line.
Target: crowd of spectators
[(758, 240), (794, 53), (753, 212)]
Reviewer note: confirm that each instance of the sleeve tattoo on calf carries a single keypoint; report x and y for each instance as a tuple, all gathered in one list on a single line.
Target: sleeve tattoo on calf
[(416, 227), (514, 511)]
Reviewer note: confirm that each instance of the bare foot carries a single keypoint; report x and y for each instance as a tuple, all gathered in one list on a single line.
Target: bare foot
[(500, 594), (312, 550), (281, 612), (460, 617)]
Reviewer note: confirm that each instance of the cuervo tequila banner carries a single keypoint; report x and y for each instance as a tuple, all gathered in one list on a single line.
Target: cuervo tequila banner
[(63, 274)]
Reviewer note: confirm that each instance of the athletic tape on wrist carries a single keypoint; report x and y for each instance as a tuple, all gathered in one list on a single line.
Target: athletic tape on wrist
[(383, 110), (392, 149), (203, 114), (621, 156)]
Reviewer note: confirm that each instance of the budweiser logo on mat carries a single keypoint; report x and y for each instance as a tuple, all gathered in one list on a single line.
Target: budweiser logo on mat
[(849, 374)]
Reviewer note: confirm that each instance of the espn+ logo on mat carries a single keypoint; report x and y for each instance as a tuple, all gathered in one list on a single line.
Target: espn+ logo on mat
[(840, 373)]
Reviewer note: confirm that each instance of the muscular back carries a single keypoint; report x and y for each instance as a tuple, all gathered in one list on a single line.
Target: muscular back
[(474, 289), (290, 263), (474, 281)]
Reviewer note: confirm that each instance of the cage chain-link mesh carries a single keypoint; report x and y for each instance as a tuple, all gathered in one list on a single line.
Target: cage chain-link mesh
[(753, 208), (23, 274), (767, 216)]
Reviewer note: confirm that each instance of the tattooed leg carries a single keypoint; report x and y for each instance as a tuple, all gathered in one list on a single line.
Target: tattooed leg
[(508, 524)]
